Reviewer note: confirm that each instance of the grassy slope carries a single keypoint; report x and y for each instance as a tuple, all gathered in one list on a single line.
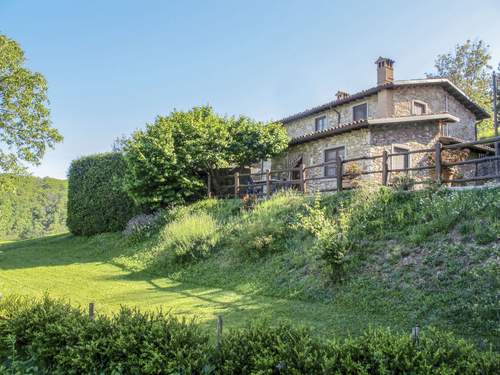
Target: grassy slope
[(86, 269), (427, 259)]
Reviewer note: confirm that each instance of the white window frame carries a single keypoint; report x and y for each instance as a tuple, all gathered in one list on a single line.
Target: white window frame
[(405, 147), (352, 110), (419, 102), (445, 129)]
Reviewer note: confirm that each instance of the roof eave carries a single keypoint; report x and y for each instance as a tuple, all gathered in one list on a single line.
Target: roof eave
[(328, 132), (445, 117), (477, 110)]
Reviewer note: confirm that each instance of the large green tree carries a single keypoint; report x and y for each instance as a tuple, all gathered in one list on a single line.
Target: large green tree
[(168, 162), (32, 207), (25, 128), (468, 67)]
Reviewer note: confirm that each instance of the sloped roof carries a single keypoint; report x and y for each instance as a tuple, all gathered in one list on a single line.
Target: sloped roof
[(453, 90), (363, 124)]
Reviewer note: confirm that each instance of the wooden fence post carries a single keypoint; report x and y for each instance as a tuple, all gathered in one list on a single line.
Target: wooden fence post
[(268, 183), (438, 162), (385, 168), (91, 310), (218, 331), (209, 185), (237, 184), (415, 332), (340, 172), (302, 178)]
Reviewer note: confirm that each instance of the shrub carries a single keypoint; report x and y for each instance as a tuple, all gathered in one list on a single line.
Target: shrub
[(268, 227), (403, 182), (260, 349), (49, 336), (168, 162), (142, 226), (56, 338), (190, 238), (97, 202), (381, 351), (222, 210), (331, 236)]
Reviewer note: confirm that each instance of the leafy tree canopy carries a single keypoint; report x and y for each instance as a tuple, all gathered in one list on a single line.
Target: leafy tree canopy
[(468, 67), (168, 161), (25, 128), (32, 206)]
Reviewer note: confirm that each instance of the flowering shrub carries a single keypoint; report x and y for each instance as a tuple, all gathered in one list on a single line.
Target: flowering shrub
[(142, 226), (353, 169)]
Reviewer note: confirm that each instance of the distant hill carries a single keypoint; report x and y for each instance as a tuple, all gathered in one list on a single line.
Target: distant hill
[(32, 207)]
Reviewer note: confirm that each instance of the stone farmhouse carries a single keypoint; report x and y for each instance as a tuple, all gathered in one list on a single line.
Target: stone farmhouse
[(397, 116)]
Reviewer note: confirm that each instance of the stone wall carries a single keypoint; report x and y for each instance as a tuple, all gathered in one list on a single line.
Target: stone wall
[(307, 125), (464, 129), (435, 97), (397, 102), (356, 143), (413, 136)]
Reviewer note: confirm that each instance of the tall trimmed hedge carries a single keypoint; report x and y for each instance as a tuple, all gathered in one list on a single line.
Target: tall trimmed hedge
[(97, 202)]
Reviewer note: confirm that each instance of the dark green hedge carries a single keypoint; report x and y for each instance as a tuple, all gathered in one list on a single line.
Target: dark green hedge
[(97, 202), (55, 338)]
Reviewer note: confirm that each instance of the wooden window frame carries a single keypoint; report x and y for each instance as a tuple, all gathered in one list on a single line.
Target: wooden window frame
[(407, 157), (326, 167), (359, 105)]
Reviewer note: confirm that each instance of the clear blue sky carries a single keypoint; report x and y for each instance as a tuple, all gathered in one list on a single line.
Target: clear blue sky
[(112, 66)]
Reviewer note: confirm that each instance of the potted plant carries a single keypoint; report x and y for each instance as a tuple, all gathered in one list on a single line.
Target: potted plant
[(352, 174)]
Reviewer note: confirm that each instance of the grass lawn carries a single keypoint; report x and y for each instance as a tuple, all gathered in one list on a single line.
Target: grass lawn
[(84, 270), (427, 258)]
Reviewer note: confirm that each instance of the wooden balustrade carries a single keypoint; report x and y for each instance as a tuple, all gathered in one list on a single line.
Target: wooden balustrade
[(266, 185)]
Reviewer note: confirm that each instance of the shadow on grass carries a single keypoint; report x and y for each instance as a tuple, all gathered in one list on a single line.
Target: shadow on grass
[(237, 308), (58, 250)]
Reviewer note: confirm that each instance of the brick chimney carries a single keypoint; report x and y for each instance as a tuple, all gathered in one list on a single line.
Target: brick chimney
[(341, 95), (385, 71)]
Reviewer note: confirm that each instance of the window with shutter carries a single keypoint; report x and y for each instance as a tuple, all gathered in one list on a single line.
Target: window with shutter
[(400, 161), (331, 155)]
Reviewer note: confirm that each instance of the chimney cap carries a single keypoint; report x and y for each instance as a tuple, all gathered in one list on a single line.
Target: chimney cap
[(384, 60), (341, 95)]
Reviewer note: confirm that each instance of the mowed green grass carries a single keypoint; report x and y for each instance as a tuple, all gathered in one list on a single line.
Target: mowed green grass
[(84, 270)]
